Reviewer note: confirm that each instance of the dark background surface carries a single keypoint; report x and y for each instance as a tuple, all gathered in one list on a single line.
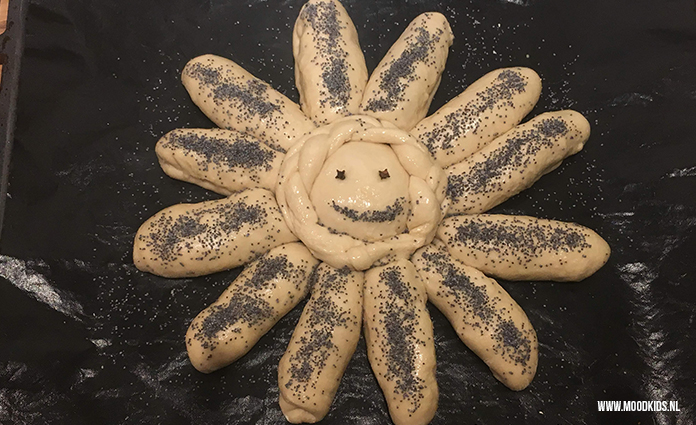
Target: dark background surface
[(86, 338)]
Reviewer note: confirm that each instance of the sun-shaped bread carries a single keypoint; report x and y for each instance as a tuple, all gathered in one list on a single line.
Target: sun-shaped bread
[(356, 197)]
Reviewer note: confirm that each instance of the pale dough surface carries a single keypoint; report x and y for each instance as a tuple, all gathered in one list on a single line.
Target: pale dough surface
[(402, 86), (330, 70), (234, 99), (321, 345), (484, 316), (361, 203), (400, 346), (262, 294), (198, 239), (524, 248), (224, 161), (488, 108), (514, 161), (305, 162)]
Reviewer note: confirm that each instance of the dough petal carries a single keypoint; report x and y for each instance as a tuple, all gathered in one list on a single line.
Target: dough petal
[(262, 294), (330, 70), (515, 160), (403, 84), (400, 345), (224, 161), (488, 108), (322, 345), (524, 248), (484, 316), (234, 99), (198, 239)]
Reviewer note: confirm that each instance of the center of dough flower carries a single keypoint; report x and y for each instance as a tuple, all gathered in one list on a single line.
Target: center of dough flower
[(361, 192)]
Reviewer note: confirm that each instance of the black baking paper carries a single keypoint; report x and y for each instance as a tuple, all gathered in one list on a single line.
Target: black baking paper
[(85, 338)]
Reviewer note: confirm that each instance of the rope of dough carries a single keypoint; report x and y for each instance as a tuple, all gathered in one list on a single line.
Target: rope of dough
[(303, 163)]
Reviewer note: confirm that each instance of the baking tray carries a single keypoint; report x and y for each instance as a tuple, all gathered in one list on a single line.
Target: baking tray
[(11, 43), (86, 338)]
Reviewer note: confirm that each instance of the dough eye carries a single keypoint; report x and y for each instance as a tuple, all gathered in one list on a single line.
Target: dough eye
[(341, 174), (384, 174)]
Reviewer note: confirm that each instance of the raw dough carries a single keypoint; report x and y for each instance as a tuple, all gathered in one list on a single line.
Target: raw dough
[(362, 190), (402, 86), (224, 161), (199, 239), (262, 294), (321, 345), (234, 99), (484, 316), (488, 108), (330, 70), (399, 338), (303, 167), (515, 160), (524, 248)]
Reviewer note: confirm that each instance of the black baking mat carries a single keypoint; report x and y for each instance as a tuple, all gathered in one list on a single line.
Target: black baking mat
[(86, 338)]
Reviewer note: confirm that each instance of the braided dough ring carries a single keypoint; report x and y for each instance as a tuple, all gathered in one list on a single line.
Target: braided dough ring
[(339, 226)]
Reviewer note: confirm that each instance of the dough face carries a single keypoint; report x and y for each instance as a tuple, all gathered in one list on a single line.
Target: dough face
[(362, 190)]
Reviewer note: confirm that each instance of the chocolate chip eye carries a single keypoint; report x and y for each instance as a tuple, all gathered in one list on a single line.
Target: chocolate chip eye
[(384, 174), (341, 174)]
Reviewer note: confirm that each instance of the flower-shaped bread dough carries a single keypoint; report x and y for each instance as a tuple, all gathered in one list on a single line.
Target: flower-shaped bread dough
[(347, 195)]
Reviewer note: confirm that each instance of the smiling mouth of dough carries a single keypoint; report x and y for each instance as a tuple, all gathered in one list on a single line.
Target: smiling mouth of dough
[(389, 213)]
